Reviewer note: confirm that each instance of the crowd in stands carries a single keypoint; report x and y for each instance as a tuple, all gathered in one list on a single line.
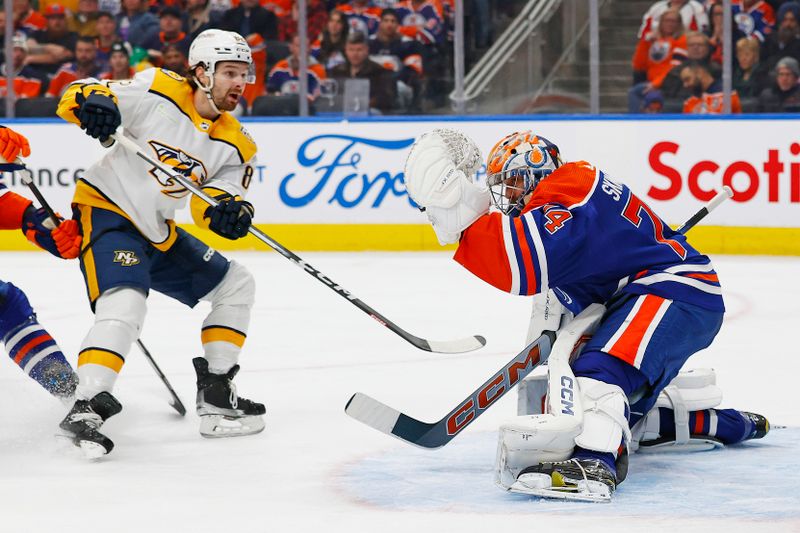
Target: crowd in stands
[(677, 65), (403, 47)]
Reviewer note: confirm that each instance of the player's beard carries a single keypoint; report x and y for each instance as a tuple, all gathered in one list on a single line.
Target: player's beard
[(227, 102)]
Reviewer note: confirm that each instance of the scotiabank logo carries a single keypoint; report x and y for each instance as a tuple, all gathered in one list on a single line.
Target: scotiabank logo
[(780, 177)]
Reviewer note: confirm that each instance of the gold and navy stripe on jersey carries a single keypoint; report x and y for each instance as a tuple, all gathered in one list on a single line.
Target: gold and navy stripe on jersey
[(225, 128), (88, 195)]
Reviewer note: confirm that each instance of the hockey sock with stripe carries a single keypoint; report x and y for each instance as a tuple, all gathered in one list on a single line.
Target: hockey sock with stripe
[(728, 426), (30, 346)]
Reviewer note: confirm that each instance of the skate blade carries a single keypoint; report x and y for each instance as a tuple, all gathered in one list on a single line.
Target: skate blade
[(219, 426), (92, 450), (89, 449), (534, 485)]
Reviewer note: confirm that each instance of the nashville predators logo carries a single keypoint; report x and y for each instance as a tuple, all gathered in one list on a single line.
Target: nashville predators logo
[(181, 163), (126, 258)]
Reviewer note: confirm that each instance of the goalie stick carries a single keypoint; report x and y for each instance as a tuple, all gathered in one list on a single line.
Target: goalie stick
[(433, 435), (27, 178), (466, 344)]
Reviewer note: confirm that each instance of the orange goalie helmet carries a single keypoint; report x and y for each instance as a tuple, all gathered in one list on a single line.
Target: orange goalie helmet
[(516, 165)]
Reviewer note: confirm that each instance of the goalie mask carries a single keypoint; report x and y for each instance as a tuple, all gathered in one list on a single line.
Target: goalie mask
[(515, 167)]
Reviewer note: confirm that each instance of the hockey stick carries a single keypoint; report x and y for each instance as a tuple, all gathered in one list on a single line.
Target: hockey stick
[(27, 178), (388, 420), (720, 197), (455, 346), (176, 402)]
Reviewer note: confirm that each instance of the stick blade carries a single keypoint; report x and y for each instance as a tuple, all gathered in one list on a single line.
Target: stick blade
[(373, 413), (467, 344), (177, 404)]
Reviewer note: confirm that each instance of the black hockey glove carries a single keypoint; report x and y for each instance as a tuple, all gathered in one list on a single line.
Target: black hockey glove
[(230, 218), (99, 115)]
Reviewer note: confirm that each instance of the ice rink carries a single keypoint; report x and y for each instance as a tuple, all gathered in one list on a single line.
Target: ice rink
[(315, 469)]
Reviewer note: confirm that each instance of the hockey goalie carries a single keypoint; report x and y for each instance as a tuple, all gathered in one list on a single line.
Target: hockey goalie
[(643, 300)]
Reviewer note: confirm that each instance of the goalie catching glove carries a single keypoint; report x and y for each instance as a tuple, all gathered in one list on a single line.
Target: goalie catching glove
[(439, 175)]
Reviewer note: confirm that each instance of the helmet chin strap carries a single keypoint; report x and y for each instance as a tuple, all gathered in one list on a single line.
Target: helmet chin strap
[(207, 91)]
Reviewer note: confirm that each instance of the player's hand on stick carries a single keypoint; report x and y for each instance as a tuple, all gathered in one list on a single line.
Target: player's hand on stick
[(230, 218), (99, 115), (13, 145), (63, 241)]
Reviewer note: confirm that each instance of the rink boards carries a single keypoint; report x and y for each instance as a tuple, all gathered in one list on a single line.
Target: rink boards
[(338, 185)]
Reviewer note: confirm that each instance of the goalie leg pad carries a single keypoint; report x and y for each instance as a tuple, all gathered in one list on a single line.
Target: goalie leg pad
[(605, 416), (529, 440), (692, 390)]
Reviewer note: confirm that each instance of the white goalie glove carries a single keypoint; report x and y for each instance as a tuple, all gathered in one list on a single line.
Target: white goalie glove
[(439, 176)]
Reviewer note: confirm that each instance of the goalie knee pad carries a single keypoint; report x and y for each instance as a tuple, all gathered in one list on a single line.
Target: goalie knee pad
[(225, 327), (529, 440), (691, 390), (605, 416), (119, 316)]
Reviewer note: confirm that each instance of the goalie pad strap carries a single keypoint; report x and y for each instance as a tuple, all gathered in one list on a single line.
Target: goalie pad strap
[(605, 420)]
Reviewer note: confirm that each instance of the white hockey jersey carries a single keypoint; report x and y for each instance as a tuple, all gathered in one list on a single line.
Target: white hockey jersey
[(159, 115)]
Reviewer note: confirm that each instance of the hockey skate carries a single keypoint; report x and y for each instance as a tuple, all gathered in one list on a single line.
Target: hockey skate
[(85, 418), (760, 423), (576, 479), (222, 412)]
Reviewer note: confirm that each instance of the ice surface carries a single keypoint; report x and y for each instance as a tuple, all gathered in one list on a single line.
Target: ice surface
[(315, 469)]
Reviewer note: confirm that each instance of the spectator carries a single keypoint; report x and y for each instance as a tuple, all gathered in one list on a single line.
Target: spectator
[(85, 20), (749, 77), (697, 49), (54, 45), (110, 6), (328, 49), (281, 8), (399, 54), (358, 65), (692, 12), (26, 19), (715, 37), (421, 20), (258, 49), (175, 60), (284, 76), (753, 18), (106, 27), (248, 18), (84, 66), (784, 95), (706, 92), (316, 13), (361, 16), (171, 25), (135, 24), (119, 63), (28, 81), (655, 56), (785, 42), (200, 17)]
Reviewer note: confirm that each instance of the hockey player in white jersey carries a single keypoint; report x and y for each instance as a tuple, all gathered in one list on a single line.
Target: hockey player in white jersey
[(131, 243)]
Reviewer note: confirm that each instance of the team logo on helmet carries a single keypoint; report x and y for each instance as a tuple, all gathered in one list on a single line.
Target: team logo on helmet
[(182, 163)]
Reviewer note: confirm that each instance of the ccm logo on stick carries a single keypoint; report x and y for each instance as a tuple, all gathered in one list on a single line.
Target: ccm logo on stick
[(492, 390), (771, 173)]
